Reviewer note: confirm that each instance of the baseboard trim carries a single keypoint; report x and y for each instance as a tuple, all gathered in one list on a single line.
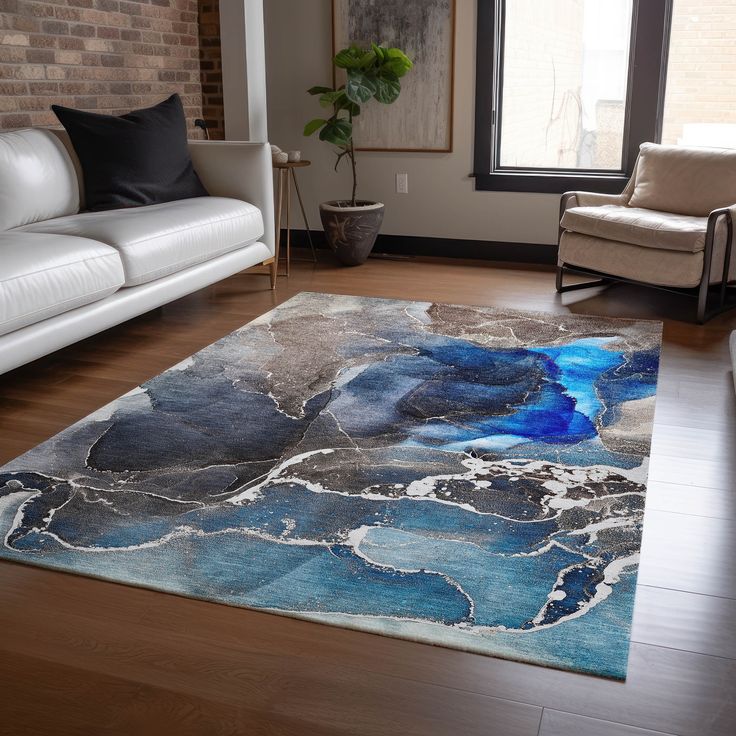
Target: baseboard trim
[(409, 245)]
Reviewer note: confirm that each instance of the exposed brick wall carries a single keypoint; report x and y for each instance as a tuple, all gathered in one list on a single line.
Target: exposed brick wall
[(101, 55), (211, 65), (701, 77)]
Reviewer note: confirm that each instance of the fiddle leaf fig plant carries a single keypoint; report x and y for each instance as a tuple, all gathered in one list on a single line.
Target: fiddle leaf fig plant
[(371, 74)]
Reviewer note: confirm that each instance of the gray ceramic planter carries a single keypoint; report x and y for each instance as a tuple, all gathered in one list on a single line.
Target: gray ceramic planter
[(351, 231)]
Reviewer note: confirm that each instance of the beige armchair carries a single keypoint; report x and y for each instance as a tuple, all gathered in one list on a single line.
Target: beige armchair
[(671, 227)]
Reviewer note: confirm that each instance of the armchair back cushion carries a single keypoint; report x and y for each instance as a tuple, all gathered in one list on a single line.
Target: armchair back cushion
[(686, 181), (37, 178)]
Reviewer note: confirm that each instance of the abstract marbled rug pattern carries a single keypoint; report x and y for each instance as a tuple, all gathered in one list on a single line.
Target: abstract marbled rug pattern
[(463, 476)]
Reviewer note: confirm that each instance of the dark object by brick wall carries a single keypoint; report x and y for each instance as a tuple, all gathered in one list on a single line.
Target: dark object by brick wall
[(108, 56), (211, 66)]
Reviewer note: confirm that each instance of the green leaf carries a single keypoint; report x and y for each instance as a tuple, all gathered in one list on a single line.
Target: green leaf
[(337, 131), (319, 90), (330, 98), (367, 60), (397, 62), (359, 88), (388, 88), (379, 51), (314, 125), (339, 100), (348, 58), (394, 53)]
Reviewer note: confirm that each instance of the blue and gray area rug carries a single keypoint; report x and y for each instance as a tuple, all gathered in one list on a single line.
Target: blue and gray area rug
[(463, 476)]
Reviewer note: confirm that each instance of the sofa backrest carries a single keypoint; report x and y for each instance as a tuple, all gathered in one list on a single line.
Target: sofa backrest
[(63, 136), (37, 178), (684, 180)]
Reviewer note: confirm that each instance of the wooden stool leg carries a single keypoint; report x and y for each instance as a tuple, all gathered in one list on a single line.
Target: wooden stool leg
[(304, 215), (273, 273), (288, 223), (277, 250)]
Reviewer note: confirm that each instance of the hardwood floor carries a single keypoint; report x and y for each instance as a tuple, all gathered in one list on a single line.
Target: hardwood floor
[(94, 658)]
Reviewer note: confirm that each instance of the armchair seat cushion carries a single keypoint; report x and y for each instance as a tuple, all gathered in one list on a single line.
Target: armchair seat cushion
[(657, 267), (648, 265), (638, 226), (160, 239)]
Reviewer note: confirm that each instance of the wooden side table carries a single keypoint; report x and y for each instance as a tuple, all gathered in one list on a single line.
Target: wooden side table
[(287, 174)]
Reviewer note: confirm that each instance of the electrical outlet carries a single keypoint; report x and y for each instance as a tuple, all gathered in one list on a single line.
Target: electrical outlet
[(402, 183)]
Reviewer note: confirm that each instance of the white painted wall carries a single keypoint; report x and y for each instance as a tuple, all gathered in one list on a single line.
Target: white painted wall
[(442, 201), (243, 70)]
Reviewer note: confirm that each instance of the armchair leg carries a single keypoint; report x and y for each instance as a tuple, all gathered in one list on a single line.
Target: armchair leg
[(561, 288), (703, 314), (700, 316)]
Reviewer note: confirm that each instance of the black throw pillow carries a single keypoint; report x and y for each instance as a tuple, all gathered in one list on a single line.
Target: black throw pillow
[(133, 160)]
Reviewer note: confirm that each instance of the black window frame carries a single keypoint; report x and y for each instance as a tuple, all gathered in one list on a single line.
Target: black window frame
[(650, 32)]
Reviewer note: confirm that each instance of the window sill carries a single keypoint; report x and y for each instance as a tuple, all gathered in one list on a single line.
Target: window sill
[(550, 183)]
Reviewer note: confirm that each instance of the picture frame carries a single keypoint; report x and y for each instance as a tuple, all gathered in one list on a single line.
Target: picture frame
[(425, 31)]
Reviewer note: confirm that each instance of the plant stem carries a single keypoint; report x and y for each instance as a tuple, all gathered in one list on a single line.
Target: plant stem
[(355, 174), (352, 163)]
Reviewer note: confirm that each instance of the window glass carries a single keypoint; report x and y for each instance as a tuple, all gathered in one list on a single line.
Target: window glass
[(564, 76)]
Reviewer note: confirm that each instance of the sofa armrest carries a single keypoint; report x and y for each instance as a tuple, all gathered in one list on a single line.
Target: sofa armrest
[(238, 170)]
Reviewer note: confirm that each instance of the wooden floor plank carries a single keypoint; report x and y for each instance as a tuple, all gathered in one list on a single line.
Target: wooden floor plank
[(556, 723), (688, 621), (294, 689), (695, 554), (713, 445), (42, 698), (677, 498), (691, 471)]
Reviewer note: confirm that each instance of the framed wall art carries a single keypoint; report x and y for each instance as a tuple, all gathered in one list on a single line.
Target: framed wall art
[(421, 119)]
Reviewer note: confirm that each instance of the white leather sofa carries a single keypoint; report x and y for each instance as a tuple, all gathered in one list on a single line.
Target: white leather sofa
[(66, 274)]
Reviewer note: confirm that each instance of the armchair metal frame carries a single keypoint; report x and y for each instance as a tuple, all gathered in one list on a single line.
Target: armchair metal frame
[(702, 292)]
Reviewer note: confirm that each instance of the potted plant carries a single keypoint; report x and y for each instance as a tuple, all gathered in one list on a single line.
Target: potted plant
[(351, 225)]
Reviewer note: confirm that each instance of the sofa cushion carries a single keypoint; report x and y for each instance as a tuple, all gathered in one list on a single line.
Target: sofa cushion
[(648, 228), (37, 178), (161, 239), (133, 160), (45, 275), (687, 180)]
